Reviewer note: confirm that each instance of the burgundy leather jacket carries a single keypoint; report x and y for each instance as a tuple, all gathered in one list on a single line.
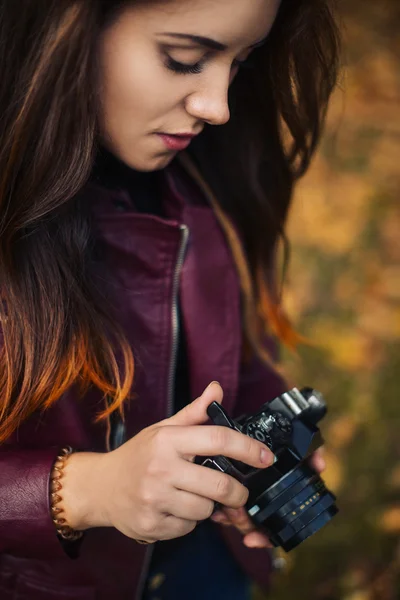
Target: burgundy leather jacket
[(152, 262)]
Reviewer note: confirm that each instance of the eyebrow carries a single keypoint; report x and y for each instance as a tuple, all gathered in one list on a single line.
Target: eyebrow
[(206, 42)]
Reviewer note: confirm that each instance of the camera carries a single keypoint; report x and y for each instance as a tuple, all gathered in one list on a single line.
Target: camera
[(288, 500)]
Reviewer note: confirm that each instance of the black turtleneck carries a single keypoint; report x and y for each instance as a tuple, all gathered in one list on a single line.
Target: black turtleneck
[(144, 188)]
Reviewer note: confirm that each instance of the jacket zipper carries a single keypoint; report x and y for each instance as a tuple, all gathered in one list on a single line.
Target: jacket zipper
[(175, 316), (174, 348)]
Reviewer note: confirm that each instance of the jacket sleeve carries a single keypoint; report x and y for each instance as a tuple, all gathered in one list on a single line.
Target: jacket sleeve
[(26, 528)]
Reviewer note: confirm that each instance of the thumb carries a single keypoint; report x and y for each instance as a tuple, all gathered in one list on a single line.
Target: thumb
[(195, 413)]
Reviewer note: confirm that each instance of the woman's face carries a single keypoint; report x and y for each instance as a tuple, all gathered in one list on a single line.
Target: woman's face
[(156, 81)]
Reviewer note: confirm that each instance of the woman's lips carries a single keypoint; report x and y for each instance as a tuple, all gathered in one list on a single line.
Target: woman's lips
[(176, 142)]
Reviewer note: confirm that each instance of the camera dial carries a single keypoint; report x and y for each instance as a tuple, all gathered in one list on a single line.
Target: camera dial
[(272, 429)]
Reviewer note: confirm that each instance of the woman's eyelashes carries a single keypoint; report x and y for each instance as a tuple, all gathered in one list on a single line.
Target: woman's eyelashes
[(184, 69), (196, 68)]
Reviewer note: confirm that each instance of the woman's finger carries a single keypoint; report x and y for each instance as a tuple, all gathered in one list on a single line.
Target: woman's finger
[(210, 484), (220, 519), (192, 507), (252, 538), (256, 539), (317, 460), (239, 519)]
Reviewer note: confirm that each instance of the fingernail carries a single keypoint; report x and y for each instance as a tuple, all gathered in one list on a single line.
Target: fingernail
[(258, 544), (212, 384), (252, 544), (266, 456)]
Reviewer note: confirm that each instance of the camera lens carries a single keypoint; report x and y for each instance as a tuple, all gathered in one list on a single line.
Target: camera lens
[(294, 508), (313, 519)]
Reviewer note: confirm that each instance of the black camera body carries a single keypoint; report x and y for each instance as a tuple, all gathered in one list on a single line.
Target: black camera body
[(288, 500)]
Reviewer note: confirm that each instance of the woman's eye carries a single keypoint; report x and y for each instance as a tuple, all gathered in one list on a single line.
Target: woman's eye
[(183, 69), (196, 68)]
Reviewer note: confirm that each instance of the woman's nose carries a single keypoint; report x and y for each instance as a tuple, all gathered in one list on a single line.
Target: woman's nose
[(210, 104)]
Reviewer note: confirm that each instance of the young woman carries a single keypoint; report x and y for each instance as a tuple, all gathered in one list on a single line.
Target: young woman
[(133, 273)]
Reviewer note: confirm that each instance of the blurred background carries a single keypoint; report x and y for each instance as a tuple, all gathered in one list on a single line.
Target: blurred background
[(344, 295)]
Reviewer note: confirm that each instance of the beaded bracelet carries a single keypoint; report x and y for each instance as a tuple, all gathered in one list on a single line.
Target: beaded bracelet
[(63, 529)]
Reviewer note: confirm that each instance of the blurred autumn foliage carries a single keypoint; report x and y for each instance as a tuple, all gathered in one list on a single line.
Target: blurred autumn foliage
[(344, 295)]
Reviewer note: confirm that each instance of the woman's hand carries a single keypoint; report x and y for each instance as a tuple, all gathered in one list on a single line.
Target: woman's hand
[(238, 517), (149, 488)]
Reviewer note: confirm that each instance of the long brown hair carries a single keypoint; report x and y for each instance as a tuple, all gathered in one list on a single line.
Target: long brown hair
[(56, 329)]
